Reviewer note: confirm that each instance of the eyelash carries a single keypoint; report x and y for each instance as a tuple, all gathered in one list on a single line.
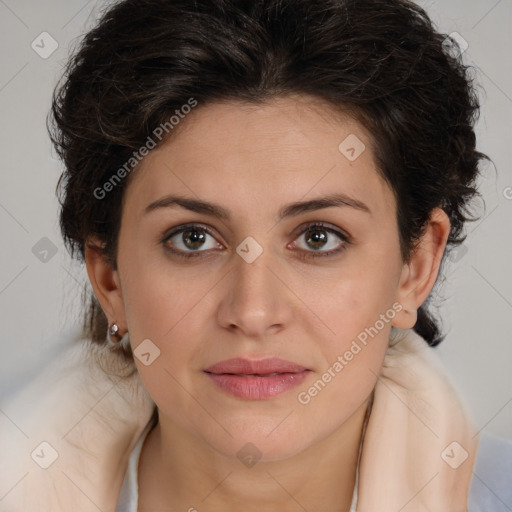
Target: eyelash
[(302, 254)]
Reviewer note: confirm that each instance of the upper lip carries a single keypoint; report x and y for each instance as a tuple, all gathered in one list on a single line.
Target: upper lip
[(257, 367)]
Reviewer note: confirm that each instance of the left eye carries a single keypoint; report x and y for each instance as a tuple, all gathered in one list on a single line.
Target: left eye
[(319, 238)]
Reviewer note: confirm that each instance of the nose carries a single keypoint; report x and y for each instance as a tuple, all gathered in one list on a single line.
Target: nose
[(255, 301)]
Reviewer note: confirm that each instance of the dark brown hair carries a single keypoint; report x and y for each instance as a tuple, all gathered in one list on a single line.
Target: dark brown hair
[(382, 60)]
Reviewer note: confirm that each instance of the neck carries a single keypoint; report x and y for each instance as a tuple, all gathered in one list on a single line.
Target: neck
[(320, 478)]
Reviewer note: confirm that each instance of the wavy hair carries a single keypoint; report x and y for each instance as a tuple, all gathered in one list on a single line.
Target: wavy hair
[(380, 60)]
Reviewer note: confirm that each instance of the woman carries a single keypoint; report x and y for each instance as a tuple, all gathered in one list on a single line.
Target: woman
[(263, 194)]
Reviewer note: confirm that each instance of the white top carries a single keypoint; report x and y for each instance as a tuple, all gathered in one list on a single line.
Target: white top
[(129, 495), (491, 486)]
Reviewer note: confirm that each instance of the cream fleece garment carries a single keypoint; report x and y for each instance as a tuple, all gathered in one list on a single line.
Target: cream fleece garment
[(418, 452)]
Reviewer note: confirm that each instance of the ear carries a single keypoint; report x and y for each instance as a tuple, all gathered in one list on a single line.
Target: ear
[(420, 273), (105, 283)]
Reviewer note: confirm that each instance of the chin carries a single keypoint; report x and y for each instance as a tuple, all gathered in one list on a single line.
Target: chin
[(252, 444)]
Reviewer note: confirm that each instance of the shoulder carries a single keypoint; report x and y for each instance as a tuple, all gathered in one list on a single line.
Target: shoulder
[(491, 485), (75, 422)]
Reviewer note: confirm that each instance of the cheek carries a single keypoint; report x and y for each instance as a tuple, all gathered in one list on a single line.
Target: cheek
[(358, 309), (167, 312), (168, 307), (157, 295), (352, 357), (356, 295), (335, 395)]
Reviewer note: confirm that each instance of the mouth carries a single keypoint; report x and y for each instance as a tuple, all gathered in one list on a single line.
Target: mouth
[(252, 374), (256, 379), (240, 366)]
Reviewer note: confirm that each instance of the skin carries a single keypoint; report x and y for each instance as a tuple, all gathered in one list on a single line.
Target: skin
[(252, 160)]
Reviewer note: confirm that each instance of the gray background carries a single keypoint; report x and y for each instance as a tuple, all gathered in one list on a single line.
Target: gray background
[(40, 292)]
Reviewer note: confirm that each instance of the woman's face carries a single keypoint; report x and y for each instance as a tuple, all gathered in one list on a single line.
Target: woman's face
[(260, 282)]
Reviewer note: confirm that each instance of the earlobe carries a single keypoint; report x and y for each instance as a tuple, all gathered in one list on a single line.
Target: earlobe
[(105, 282), (419, 275)]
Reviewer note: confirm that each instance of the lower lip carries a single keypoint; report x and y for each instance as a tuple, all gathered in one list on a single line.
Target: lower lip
[(257, 388)]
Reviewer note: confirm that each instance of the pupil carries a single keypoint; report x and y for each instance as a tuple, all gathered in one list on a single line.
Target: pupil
[(317, 237), (195, 237)]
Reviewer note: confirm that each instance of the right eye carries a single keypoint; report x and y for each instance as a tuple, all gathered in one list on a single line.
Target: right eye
[(187, 241)]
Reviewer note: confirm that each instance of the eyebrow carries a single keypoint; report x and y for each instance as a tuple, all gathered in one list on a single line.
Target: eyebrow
[(289, 210)]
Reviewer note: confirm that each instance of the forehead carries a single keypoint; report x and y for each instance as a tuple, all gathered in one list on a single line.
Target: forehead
[(255, 157)]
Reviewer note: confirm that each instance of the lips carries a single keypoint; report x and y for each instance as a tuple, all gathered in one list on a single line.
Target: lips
[(256, 380), (262, 367)]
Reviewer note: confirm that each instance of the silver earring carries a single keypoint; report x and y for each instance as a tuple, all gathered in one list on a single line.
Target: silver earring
[(115, 339), (113, 335)]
